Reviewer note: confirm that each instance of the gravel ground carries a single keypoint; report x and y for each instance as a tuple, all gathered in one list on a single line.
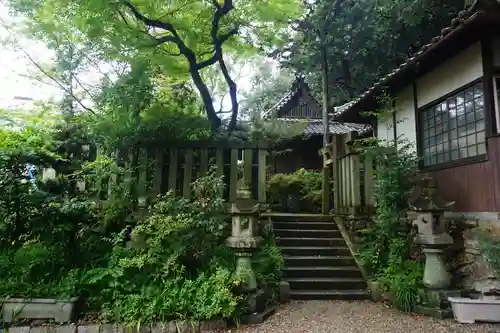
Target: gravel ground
[(355, 317)]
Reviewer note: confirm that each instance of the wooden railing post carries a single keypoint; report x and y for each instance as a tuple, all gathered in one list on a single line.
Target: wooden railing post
[(188, 173), (335, 185), (233, 175), (262, 166), (172, 169)]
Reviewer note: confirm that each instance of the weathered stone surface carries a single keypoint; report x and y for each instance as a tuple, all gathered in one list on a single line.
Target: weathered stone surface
[(284, 292), (38, 308), (65, 329), (88, 329), (211, 325), (487, 286), (187, 327), (19, 329), (40, 329), (168, 327)]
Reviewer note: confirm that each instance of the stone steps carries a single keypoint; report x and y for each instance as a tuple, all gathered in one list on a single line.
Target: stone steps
[(318, 263)]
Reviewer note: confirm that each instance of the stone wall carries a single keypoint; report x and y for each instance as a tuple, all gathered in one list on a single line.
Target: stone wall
[(168, 327), (467, 265)]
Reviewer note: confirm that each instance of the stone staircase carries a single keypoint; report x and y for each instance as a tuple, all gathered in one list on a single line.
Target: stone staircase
[(318, 263)]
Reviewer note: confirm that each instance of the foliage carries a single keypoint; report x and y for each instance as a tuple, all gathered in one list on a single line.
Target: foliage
[(182, 37), (489, 248), (175, 266), (303, 185), (42, 231), (386, 245), (364, 40)]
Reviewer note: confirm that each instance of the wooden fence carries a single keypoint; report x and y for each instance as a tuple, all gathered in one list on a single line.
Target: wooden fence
[(175, 168), (352, 177)]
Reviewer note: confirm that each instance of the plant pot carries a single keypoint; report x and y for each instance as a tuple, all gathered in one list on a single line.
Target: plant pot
[(468, 310), (38, 308)]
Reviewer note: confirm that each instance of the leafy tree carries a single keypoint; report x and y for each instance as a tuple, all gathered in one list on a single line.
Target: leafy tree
[(182, 37), (365, 39)]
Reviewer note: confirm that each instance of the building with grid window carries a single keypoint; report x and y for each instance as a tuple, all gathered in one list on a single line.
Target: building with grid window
[(446, 102)]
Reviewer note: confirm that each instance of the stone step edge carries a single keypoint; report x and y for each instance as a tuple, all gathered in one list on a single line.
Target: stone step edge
[(329, 292)]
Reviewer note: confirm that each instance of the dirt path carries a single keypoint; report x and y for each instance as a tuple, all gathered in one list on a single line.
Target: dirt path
[(355, 317)]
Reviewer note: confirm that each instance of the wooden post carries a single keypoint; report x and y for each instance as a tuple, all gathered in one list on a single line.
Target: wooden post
[(158, 171), (219, 161), (334, 153), (369, 182), (203, 161), (325, 199), (143, 176), (188, 173), (262, 166), (233, 175), (247, 167), (172, 172), (355, 184)]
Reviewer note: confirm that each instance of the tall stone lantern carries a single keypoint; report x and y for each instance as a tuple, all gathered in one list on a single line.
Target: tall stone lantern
[(244, 237), (429, 207)]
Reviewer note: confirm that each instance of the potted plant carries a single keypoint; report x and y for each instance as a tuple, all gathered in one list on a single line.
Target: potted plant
[(28, 293), (486, 307)]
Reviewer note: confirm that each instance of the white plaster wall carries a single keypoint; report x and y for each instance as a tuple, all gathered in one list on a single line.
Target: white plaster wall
[(496, 51), (456, 72), (405, 119), (384, 129), (405, 116)]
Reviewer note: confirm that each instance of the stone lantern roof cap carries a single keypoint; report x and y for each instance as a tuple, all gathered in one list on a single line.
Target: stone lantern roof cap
[(426, 198)]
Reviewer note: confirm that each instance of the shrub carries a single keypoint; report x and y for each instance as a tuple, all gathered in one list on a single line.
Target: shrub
[(301, 190), (176, 264), (386, 245)]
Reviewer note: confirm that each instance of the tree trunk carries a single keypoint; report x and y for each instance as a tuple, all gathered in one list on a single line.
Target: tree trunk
[(214, 120)]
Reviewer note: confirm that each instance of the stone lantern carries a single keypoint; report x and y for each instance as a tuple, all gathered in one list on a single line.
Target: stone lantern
[(432, 236), (244, 237)]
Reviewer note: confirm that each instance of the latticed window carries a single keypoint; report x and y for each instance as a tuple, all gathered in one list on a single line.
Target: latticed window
[(453, 128)]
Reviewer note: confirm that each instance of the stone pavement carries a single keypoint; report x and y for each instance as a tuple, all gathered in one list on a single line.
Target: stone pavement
[(354, 317)]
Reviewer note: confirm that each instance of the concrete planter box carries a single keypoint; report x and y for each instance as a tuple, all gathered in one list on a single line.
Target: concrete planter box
[(38, 308), (468, 310)]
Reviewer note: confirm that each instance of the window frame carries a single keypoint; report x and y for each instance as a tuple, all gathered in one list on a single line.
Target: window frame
[(496, 100), (420, 131)]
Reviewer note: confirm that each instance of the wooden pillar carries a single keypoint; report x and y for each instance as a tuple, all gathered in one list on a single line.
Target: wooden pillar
[(172, 170), (188, 173), (334, 154), (262, 166), (158, 173), (233, 175)]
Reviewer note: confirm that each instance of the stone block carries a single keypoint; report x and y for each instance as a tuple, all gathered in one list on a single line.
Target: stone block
[(211, 325), (88, 329), (19, 329), (65, 329), (284, 288), (187, 326), (40, 329), (167, 327), (38, 308)]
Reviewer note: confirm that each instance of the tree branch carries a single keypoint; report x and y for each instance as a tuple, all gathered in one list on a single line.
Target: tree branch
[(59, 84), (174, 38)]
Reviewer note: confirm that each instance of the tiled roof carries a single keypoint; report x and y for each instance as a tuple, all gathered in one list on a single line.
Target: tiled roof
[(315, 126), (463, 18), (296, 86)]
